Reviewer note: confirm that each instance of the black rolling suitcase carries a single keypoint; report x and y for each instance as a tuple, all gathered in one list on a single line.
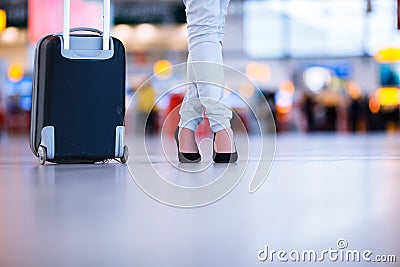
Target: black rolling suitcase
[(78, 96)]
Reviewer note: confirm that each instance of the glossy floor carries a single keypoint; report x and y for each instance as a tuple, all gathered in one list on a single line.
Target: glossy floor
[(320, 189)]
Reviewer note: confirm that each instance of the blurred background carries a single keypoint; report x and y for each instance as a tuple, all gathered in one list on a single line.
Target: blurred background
[(322, 65)]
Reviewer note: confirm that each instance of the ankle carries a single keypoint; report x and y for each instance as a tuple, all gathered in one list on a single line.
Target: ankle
[(187, 141), (223, 142)]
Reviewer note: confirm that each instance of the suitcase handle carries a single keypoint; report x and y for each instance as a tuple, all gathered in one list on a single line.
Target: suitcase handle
[(106, 24), (86, 29)]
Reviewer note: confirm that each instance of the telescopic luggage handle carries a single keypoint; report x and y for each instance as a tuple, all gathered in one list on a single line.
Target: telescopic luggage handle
[(106, 25)]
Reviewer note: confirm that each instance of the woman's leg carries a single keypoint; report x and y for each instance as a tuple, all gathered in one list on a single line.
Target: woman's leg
[(192, 112), (222, 14), (205, 19), (224, 138)]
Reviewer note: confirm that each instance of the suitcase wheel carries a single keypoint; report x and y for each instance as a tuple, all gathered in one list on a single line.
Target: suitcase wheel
[(42, 155), (125, 156)]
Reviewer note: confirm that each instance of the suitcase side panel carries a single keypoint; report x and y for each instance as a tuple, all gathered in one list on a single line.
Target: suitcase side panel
[(38, 92)]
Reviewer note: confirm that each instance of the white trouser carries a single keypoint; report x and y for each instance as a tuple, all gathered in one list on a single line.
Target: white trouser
[(205, 24)]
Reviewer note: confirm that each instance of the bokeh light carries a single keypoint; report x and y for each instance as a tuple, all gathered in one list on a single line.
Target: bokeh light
[(388, 55), (258, 72), (373, 105), (353, 89), (162, 69), (388, 96), (246, 90), (15, 72), (316, 78), (3, 19), (287, 86)]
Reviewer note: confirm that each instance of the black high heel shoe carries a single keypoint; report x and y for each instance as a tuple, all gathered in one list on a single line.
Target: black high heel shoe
[(224, 157), (186, 157)]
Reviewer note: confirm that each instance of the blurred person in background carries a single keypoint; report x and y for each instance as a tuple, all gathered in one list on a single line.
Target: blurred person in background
[(205, 25), (308, 109), (147, 110), (354, 116), (331, 118)]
